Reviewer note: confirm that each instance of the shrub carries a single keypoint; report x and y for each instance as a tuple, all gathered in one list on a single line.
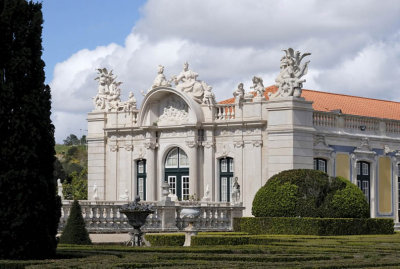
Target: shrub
[(172, 239), (348, 202), (309, 193), (75, 231), (314, 226)]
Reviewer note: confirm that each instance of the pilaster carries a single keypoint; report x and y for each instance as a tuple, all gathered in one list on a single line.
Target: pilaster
[(290, 134)]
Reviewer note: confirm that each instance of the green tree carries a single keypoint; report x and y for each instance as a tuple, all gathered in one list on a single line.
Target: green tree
[(71, 140), (75, 231), (29, 207), (76, 187)]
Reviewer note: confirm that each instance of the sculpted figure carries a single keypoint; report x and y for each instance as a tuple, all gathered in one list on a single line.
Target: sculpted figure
[(258, 86), (236, 191), (289, 80), (206, 196), (239, 93), (209, 97), (108, 95), (131, 103), (187, 82), (160, 79), (95, 196)]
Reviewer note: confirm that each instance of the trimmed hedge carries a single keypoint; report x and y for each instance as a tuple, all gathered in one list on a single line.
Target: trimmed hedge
[(313, 226), (201, 240), (309, 193), (161, 239)]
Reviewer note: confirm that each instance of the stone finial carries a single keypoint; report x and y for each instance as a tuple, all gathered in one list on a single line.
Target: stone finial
[(289, 80)]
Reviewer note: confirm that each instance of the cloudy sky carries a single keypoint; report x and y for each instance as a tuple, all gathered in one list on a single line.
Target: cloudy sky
[(355, 46)]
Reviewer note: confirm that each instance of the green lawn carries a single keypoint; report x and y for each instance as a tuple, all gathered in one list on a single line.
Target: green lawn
[(277, 251)]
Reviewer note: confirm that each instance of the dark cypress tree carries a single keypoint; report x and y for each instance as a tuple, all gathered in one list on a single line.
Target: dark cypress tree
[(75, 230), (29, 207)]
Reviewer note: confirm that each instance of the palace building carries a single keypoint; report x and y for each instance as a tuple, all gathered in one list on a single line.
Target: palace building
[(225, 151)]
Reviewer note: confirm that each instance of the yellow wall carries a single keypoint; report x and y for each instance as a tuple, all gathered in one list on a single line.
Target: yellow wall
[(343, 165), (384, 185)]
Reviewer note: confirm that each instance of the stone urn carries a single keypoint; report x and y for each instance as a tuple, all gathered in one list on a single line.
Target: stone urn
[(137, 215), (190, 213)]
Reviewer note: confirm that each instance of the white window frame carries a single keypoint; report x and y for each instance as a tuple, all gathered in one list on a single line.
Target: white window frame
[(185, 188)]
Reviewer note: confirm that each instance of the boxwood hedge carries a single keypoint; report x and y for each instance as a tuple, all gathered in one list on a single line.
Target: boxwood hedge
[(313, 226), (166, 239)]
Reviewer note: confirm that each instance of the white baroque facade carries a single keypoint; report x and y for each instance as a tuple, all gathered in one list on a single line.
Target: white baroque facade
[(224, 152)]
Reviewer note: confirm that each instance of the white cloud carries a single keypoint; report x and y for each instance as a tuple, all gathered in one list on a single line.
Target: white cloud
[(354, 47)]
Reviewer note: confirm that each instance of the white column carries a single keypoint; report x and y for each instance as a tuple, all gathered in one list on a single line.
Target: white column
[(208, 169), (151, 166), (193, 166)]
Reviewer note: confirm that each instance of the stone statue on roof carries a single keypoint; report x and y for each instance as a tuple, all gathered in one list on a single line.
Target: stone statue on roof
[(258, 86), (289, 80), (160, 80), (238, 94), (187, 82), (109, 92)]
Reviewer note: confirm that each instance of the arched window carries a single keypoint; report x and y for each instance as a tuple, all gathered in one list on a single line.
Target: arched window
[(225, 179), (141, 179), (363, 178), (320, 164), (177, 173)]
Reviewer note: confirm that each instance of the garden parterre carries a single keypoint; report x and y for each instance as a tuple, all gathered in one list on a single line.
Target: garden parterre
[(266, 251)]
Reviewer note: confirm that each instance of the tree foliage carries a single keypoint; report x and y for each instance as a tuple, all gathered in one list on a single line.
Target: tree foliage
[(76, 186), (73, 140), (29, 207), (309, 193), (75, 230)]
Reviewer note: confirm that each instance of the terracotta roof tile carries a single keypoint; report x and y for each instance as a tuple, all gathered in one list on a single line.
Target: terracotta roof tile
[(353, 105)]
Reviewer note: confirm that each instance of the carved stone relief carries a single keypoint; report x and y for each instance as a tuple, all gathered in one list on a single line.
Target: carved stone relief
[(173, 111)]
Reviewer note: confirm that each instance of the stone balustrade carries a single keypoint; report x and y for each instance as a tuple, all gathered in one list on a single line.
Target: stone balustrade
[(334, 120), (225, 111), (104, 216)]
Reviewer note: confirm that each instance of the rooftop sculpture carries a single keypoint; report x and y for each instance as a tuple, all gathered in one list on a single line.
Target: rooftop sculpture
[(289, 80), (108, 95), (187, 82)]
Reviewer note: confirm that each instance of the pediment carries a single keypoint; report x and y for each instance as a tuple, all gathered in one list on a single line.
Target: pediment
[(168, 107)]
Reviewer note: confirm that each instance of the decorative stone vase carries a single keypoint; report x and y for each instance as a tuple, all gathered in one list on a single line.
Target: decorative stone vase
[(137, 215), (191, 213)]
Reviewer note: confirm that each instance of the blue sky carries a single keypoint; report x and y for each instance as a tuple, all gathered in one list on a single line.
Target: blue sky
[(355, 46), (71, 25)]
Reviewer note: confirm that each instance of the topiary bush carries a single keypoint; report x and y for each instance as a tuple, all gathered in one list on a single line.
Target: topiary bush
[(75, 230), (348, 202), (309, 193)]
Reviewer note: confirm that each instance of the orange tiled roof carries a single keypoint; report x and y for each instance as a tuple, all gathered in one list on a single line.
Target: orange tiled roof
[(353, 105)]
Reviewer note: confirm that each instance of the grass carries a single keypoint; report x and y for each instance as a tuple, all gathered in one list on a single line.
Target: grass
[(276, 251)]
